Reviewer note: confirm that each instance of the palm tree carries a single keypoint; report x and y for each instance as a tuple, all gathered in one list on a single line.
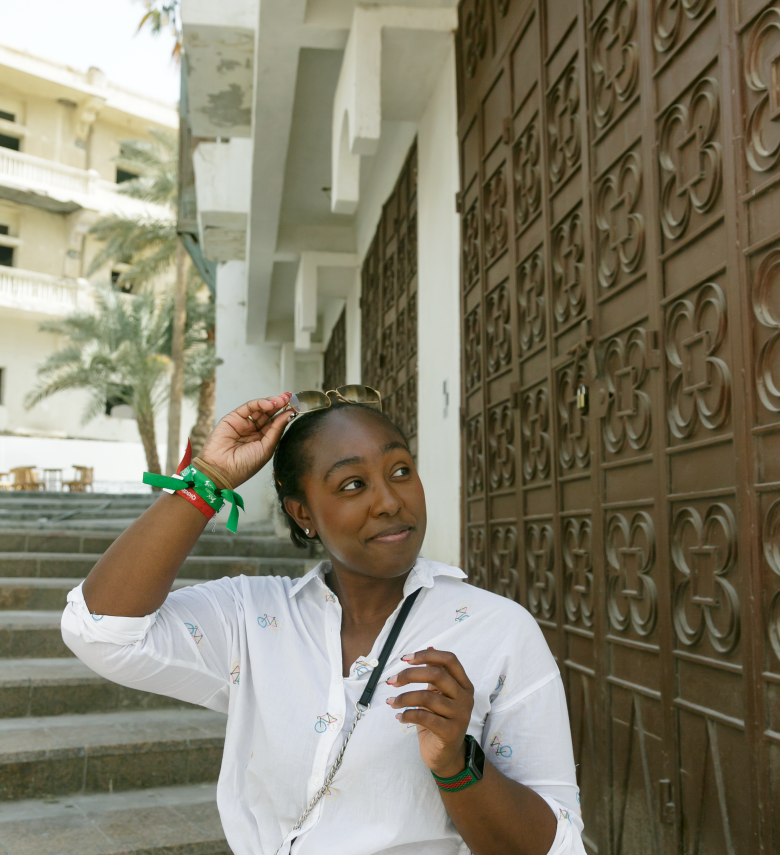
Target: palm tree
[(146, 247), (118, 354), (161, 14)]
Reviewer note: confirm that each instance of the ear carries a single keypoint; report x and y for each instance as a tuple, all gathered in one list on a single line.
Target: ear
[(300, 513)]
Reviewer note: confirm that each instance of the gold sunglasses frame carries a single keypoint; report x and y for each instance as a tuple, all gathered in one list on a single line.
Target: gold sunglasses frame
[(339, 396)]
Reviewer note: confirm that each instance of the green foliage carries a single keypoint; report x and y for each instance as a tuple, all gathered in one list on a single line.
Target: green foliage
[(117, 352)]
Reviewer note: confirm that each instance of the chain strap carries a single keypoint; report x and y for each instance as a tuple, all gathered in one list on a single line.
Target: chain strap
[(328, 780)]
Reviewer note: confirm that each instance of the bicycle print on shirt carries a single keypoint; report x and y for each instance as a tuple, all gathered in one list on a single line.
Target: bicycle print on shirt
[(268, 622)]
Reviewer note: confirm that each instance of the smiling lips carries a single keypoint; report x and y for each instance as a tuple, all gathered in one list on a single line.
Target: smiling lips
[(393, 535)]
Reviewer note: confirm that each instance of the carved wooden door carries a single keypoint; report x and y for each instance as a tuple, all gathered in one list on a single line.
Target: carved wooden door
[(335, 359), (389, 304), (621, 391)]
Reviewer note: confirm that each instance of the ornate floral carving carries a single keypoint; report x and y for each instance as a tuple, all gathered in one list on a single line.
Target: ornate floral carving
[(632, 597), (669, 19), (400, 407), (704, 552), (475, 456), (615, 60), (411, 405), (539, 557), (629, 412), (573, 441), (563, 124), (527, 175), (477, 566), (501, 450), (770, 538), (700, 381), (495, 215), (475, 36), (766, 293), (568, 269), (470, 247), (411, 246), (411, 325), (503, 7), (473, 347), (401, 259), (401, 345), (535, 428), (578, 570), (530, 301), (388, 283), (690, 158), (762, 75), (498, 330), (386, 360), (621, 239), (503, 556)]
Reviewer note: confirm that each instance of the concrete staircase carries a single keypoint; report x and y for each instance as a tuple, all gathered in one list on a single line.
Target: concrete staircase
[(88, 767)]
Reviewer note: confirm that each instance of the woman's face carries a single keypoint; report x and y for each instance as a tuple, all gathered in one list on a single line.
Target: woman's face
[(363, 495)]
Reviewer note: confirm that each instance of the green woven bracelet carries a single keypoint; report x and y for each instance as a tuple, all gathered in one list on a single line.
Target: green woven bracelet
[(457, 782)]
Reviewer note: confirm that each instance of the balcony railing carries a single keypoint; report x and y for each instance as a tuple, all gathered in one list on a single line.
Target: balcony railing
[(45, 295), (67, 184)]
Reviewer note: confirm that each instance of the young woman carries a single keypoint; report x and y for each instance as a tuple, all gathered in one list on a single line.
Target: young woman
[(469, 672)]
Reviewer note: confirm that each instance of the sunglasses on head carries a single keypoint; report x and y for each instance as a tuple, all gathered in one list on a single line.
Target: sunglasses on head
[(309, 401)]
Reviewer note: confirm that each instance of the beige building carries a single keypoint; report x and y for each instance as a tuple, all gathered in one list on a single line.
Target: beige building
[(60, 131)]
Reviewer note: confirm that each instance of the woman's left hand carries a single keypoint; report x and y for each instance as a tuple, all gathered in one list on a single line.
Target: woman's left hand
[(443, 709)]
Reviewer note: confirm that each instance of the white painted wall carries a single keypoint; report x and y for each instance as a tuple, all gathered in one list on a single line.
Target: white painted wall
[(439, 318), (248, 371), (438, 295)]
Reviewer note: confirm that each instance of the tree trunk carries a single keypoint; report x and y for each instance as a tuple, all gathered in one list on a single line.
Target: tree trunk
[(145, 423), (206, 413), (177, 360)]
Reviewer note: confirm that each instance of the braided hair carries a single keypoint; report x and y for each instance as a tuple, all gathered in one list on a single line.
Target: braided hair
[(292, 459)]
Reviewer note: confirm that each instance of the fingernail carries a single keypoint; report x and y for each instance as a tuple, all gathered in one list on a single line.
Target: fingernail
[(399, 716), (407, 657), (390, 700), (392, 681)]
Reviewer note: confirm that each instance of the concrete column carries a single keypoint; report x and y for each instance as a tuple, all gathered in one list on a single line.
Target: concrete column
[(439, 318), (247, 371)]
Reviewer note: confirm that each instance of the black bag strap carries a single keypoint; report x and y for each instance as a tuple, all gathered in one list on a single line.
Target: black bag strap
[(387, 649)]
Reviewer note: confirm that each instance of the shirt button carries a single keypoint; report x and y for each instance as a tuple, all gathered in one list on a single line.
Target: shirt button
[(338, 679)]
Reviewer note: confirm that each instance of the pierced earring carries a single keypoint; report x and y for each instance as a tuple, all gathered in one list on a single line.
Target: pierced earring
[(307, 531)]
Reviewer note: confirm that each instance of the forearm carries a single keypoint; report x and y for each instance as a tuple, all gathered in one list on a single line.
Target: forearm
[(498, 816), (134, 576)]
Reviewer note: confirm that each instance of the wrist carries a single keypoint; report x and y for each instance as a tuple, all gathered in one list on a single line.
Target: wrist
[(452, 765)]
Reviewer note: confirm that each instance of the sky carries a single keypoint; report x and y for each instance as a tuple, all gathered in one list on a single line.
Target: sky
[(82, 33)]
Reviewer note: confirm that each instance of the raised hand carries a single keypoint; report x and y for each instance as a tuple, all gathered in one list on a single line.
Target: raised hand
[(244, 440), (443, 710)]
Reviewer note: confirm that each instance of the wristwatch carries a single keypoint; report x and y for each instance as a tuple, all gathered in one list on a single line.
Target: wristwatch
[(475, 769)]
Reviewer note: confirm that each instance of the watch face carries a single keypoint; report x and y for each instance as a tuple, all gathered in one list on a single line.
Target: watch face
[(475, 757)]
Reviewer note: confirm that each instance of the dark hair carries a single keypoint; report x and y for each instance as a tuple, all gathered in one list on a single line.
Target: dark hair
[(292, 459)]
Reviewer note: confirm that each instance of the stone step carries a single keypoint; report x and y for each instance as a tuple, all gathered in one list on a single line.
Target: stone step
[(31, 634), (65, 497), (57, 515), (180, 820), (215, 544), (46, 687), (77, 565), (108, 752), (35, 594)]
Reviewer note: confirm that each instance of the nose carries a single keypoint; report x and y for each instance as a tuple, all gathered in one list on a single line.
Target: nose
[(385, 500)]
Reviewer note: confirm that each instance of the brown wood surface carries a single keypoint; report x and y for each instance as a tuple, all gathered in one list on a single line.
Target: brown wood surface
[(389, 304), (620, 166)]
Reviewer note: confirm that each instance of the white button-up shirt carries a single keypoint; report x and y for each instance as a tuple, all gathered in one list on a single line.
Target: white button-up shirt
[(267, 651)]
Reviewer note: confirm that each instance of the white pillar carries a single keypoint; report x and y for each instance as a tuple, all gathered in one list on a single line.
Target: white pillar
[(247, 371), (439, 318)]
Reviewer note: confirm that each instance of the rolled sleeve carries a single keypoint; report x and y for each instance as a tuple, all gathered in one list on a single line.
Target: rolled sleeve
[(183, 650), (529, 741)]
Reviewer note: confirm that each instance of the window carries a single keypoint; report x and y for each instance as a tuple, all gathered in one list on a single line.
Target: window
[(9, 142), (6, 252), (9, 117), (123, 175)]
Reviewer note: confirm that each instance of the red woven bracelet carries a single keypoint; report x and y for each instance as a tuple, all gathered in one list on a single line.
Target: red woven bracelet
[(190, 495)]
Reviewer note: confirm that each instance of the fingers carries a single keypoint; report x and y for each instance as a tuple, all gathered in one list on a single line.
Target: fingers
[(443, 660), (439, 678), (272, 431), (261, 409), (433, 701)]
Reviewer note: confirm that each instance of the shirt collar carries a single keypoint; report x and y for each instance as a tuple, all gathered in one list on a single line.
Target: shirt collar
[(422, 575)]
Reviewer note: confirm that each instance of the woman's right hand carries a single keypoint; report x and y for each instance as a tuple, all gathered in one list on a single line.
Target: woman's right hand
[(245, 440)]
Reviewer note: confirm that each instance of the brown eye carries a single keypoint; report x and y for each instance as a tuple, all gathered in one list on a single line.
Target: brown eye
[(401, 471), (354, 484)]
